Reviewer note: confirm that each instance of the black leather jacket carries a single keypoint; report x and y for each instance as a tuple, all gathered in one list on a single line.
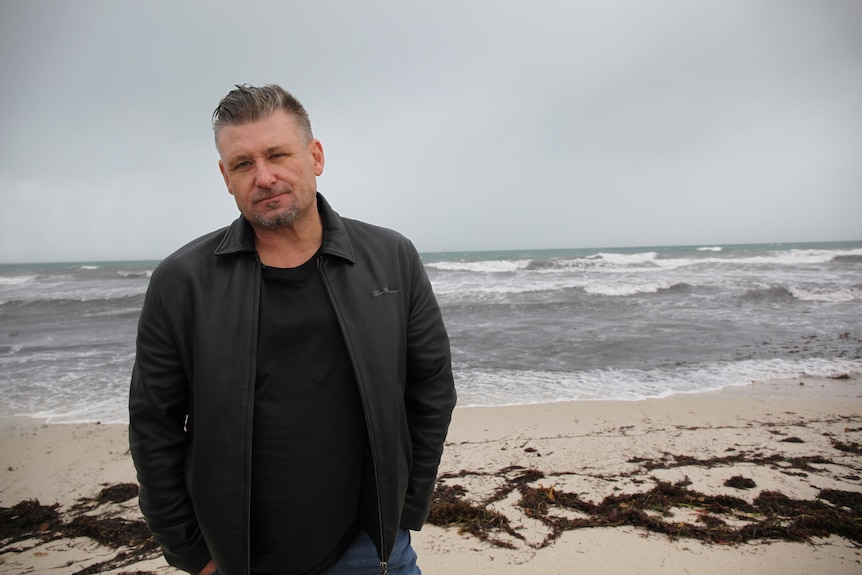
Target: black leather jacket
[(192, 389)]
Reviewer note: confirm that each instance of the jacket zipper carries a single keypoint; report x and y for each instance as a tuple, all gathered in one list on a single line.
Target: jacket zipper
[(384, 568), (249, 426)]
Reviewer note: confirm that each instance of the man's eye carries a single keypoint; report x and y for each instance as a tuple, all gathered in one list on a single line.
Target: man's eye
[(241, 165)]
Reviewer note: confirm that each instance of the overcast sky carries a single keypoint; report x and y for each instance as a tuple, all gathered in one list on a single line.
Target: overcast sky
[(464, 125)]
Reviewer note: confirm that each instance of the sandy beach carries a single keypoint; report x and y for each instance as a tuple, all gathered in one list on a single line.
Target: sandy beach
[(763, 478)]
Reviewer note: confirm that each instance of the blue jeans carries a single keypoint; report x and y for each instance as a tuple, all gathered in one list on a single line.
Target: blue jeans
[(361, 557)]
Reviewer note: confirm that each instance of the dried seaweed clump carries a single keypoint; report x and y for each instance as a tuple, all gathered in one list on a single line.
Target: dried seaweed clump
[(26, 520), (740, 482), (37, 524), (851, 447), (448, 509)]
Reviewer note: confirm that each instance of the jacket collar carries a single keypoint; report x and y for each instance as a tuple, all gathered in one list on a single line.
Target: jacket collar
[(239, 237)]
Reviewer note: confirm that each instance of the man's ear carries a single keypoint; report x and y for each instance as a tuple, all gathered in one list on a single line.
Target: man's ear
[(316, 149)]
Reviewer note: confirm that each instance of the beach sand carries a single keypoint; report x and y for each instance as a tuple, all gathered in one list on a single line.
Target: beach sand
[(531, 481)]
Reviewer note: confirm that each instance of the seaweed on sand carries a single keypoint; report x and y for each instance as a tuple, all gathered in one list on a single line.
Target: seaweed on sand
[(32, 521), (852, 447), (25, 520), (771, 516), (740, 482), (449, 508)]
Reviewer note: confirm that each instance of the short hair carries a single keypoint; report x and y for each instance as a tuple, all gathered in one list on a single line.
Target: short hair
[(251, 103)]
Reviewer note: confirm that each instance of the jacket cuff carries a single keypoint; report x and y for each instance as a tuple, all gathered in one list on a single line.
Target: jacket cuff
[(191, 561), (413, 517)]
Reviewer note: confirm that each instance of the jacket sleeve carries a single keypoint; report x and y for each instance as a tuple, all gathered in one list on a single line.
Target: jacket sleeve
[(159, 443), (429, 394)]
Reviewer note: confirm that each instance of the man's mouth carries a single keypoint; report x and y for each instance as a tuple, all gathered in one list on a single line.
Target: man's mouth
[(269, 195)]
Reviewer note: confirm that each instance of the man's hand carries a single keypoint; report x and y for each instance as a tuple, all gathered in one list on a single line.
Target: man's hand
[(209, 568)]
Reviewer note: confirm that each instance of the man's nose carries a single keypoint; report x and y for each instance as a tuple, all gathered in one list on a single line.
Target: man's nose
[(263, 176)]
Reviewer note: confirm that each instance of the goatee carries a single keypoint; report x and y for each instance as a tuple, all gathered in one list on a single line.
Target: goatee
[(278, 219)]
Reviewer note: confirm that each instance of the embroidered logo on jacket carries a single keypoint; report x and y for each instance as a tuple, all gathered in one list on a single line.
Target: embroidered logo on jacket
[(384, 291)]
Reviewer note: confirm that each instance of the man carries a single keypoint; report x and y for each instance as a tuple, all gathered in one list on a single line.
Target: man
[(292, 387)]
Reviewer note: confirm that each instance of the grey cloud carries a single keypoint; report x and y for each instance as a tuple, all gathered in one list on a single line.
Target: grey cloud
[(476, 125)]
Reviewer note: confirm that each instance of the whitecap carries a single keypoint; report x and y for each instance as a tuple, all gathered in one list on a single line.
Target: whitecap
[(16, 280), (486, 266), (135, 274), (827, 294), (627, 289), (628, 259)]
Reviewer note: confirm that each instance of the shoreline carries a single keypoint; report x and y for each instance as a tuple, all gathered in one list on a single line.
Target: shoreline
[(588, 449), (820, 386)]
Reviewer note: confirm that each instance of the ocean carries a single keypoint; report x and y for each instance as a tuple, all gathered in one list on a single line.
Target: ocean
[(525, 326)]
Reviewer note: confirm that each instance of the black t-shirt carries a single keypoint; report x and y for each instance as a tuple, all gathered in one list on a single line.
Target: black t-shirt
[(309, 439)]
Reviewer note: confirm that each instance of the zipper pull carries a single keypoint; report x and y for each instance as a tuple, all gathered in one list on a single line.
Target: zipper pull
[(384, 568)]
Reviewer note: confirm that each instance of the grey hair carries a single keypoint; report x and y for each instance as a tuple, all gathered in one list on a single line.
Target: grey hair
[(251, 103)]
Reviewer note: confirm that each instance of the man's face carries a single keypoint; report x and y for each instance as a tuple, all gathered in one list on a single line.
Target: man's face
[(271, 170)]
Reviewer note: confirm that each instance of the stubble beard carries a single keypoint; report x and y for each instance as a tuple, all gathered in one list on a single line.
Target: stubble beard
[(275, 217), (279, 219)]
